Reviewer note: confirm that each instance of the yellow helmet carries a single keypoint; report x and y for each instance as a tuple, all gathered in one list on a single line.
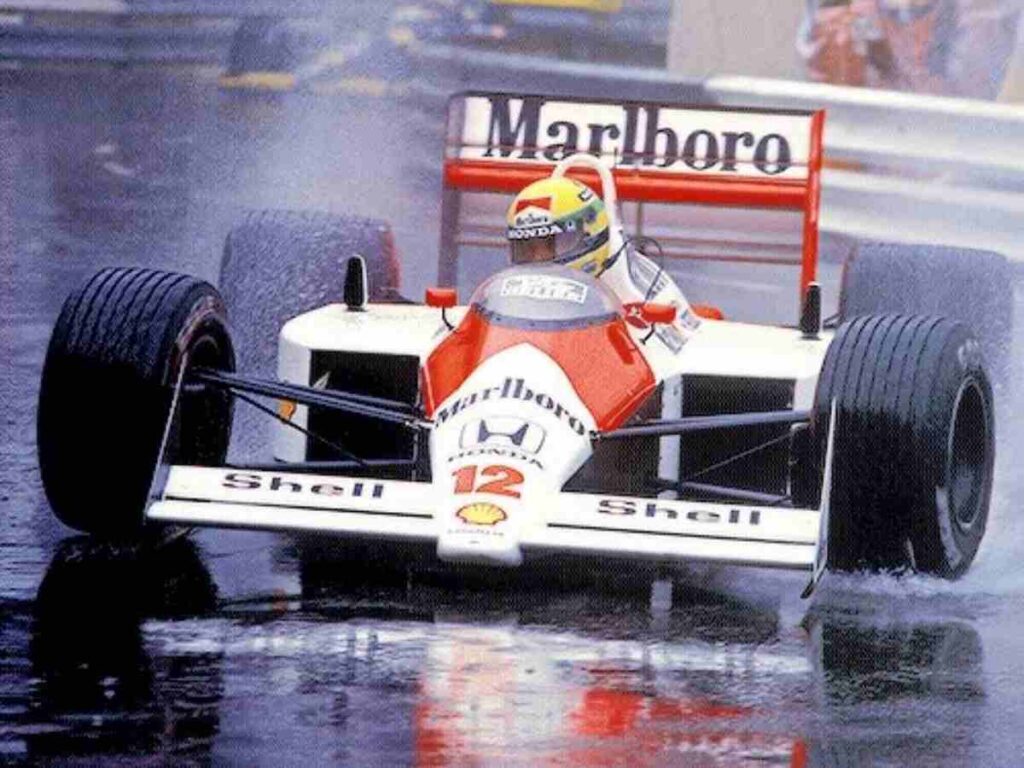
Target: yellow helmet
[(561, 220)]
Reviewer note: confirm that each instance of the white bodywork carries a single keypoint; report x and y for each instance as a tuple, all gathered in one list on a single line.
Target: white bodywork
[(578, 523), (506, 441)]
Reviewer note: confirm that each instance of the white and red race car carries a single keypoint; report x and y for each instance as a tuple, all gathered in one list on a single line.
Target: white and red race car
[(555, 413)]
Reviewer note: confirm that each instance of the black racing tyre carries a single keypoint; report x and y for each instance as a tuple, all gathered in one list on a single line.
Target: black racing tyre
[(108, 379), (279, 264), (972, 286), (914, 444)]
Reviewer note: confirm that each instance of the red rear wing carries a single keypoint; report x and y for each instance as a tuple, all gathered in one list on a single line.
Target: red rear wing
[(661, 155)]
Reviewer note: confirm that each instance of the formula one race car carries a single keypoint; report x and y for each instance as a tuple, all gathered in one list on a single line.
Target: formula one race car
[(553, 415), (634, 31)]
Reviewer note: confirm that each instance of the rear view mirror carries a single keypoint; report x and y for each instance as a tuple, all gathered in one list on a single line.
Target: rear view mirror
[(707, 311), (442, 298), (654, 313)]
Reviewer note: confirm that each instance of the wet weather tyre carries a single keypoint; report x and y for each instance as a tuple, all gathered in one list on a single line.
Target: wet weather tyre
[(113, 360), (914, 444), (969, 285), (279, 264)]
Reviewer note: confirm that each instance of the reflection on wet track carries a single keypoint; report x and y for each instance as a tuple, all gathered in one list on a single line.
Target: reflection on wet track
[(253, 649), (127, 652)]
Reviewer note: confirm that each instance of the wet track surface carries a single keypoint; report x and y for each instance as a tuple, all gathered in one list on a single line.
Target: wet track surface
[(235, 648)]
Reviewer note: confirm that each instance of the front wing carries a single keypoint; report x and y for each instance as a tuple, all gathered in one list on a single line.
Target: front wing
[(586, 524)]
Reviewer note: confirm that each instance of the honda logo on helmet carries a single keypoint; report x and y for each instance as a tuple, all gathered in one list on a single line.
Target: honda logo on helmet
[(504, 431)]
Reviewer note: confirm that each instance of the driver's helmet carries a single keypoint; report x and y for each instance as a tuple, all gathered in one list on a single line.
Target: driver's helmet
[(559, 220)]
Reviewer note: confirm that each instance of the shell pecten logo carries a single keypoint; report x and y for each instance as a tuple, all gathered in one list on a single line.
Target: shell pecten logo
[(481, 513)]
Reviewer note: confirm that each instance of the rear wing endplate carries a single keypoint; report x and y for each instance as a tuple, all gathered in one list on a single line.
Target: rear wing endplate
[(660, 154)]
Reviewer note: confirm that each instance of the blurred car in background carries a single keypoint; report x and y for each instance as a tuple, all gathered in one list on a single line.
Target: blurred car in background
[(634, 31), (267, 52)]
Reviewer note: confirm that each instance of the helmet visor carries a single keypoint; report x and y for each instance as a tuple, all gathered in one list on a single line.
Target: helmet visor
[(549, 248)]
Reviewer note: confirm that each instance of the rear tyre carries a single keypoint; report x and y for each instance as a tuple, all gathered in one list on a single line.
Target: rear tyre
[(114, 358), (972, 286), (279, 264), (914, 444), (261, 44)]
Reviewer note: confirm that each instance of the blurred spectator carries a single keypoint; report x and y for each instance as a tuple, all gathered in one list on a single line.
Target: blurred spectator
[(950, 47)]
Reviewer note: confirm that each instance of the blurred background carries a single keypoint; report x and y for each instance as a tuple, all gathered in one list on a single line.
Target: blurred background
[(948, 47), (140, 131)]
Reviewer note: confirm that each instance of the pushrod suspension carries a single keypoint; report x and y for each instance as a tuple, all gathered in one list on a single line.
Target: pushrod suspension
[(703, 424), (362, 405)]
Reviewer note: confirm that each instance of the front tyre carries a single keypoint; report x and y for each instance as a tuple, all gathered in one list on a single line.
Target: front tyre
[(914, 445), (114, 358)]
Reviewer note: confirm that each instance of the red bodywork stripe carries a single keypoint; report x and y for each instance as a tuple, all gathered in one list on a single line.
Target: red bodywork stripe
[(643, 186), (604, 365)]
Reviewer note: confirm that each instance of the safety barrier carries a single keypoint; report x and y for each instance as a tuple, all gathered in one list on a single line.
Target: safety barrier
[(899, 167), (118, 45), (229, 9)]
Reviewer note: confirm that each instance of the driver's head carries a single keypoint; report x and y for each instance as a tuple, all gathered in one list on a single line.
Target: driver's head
[(559, 220)]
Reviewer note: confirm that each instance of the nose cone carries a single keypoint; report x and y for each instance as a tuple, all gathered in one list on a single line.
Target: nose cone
[(483, 532), (504, 445)]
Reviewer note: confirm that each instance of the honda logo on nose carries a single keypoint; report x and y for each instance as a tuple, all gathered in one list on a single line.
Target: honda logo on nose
[(505, 431)]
